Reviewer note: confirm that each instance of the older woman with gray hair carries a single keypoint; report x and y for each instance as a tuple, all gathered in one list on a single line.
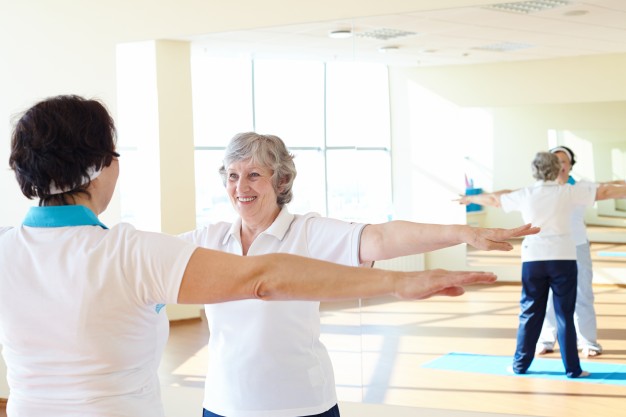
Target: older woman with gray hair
[(548, 258), (265, 358)]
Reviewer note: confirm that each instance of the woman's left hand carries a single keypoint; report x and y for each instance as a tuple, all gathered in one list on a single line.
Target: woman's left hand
[(495, 238)]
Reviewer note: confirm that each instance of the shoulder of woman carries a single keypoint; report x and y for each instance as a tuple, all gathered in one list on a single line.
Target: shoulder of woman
[(4, 229)]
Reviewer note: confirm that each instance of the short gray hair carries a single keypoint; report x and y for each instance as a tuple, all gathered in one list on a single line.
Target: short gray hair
[(268, 151), (546, 166)]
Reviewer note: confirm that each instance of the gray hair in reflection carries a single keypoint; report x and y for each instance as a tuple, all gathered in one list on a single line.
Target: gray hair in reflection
[(268, 151), (546, 166)]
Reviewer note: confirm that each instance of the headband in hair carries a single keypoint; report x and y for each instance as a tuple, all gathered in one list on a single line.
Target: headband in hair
[(562, 149), (92, 173)]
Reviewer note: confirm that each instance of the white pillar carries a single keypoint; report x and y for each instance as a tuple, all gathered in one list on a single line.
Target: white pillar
[(156, 132)]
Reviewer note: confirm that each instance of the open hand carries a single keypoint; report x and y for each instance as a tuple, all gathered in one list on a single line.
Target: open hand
[(495, 238), (425, 284)]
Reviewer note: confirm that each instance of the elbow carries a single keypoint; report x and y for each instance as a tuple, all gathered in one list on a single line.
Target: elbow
[(261, 291)]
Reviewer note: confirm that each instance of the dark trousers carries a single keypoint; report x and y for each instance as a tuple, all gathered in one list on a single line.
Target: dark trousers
[(538, 278), (333, 412)]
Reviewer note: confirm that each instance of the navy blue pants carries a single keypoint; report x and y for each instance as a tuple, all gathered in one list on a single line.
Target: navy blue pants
[(538, 278), (333, 412)]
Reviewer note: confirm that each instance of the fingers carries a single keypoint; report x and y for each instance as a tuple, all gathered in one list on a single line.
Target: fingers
[(524, 230), (442, 282), (462, 200), (477, 277), (492, 240), (495, 239), (502, 246), (451, 292)]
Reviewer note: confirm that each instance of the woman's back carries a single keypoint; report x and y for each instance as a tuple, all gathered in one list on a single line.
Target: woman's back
[(80, 322), (549, 206)]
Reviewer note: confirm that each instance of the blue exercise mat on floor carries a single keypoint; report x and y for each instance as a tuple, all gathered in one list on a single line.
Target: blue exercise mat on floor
[(601, 372)]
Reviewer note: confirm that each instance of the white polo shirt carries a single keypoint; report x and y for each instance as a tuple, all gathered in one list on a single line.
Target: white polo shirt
[(550, 206), (579, 229), (265, 357), (80, 325)]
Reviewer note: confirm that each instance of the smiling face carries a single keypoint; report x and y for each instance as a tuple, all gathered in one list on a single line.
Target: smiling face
[(566, 167), (252, 193)]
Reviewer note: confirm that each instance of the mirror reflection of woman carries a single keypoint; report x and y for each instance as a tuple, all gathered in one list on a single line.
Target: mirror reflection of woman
[(265, 358), (585, 313), (548, 258)]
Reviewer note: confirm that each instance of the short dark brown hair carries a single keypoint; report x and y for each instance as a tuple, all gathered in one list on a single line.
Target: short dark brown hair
[(57, 141)]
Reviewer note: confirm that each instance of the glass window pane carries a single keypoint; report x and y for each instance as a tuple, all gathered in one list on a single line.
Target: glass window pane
[(289, 101), (357, 105), (361, 189), (309, 188), (212, 203), (222, 98)]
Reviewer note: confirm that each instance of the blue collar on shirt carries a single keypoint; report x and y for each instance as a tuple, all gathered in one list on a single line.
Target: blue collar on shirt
[(571, 180), (61, 216)]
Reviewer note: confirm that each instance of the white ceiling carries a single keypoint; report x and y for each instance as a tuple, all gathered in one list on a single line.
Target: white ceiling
[(441, 37)]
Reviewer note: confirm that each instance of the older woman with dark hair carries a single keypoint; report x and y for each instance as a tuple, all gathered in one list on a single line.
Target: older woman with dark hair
[(548, 258), (266, 359), (81, 322)]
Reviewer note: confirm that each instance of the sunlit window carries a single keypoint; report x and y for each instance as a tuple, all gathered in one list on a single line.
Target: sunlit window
[(289, 101), (222, 98), (333, 117), (357, 105)]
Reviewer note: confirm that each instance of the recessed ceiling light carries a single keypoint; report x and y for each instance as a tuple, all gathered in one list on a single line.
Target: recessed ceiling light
[(388, 49), (340, 33)]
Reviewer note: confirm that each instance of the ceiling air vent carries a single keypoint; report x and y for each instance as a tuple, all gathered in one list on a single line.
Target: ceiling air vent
[(503, 47), (527, 7), (384, 34)]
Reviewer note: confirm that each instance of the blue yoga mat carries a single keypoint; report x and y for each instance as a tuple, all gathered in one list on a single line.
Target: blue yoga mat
[(612, 254), (601, 373)]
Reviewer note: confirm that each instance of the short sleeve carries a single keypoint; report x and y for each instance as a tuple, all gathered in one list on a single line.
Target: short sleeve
[(511, 201), (584, 193), (154, 263), (334, 240)]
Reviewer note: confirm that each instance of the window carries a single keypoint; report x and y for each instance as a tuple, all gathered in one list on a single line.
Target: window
[(333, 117)]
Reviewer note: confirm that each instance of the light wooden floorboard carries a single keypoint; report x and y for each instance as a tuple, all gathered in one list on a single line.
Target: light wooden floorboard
[(377, 347)]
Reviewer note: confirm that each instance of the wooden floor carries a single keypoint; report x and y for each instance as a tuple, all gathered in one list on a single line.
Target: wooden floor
[(377, 348)]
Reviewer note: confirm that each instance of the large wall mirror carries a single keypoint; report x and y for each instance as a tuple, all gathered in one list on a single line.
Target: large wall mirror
[(378, 346)]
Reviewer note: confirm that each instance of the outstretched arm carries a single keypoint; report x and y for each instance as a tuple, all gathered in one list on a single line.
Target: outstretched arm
[(212, 277), (611, 190), (401, 238), (614, 182), (485, 199)]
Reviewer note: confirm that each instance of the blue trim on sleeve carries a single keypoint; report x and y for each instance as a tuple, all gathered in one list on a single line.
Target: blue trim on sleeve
[(61, 216)]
